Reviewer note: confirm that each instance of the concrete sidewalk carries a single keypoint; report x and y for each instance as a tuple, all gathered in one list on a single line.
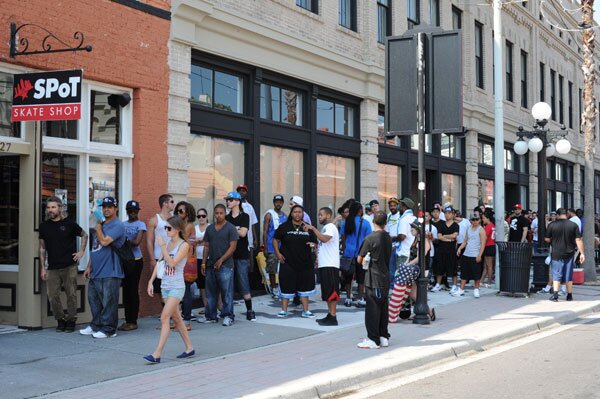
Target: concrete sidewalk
[(272, 357)]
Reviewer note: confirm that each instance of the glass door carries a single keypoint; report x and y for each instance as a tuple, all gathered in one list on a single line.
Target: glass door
[(9, 209)]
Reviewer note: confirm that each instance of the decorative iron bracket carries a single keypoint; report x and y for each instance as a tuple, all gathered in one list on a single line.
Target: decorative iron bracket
[(46, 45), (547, 136)]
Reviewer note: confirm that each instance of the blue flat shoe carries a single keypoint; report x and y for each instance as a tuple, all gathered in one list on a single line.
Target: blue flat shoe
[(187, 354), (152, 359)]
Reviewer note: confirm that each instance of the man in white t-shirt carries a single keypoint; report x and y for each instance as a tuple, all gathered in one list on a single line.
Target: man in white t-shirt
[(403, 234), (328, 262), (574, 218)]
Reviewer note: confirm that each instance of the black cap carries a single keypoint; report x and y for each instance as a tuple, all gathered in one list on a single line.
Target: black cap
[(109, 201), (132, 205), (278, 198), (373, 202)]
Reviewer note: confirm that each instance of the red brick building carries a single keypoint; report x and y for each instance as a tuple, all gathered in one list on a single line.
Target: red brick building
[(117, 150)]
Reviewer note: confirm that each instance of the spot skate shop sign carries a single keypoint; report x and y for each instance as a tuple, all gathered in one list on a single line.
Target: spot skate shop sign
[(47, 96)]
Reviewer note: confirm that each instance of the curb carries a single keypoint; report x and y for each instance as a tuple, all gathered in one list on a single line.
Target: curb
[(368, 372)]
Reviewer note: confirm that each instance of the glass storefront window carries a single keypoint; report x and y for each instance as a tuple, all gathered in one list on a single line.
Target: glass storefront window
[(280, 105), (450, 146), (389, 183), (414, 142), (508, 160), (486, 154), (452, 190), (217, 89), (560, 172), (7, 128), (59, 178), (281, 172), (60, 129), (105, 123), (524, 196), (216, 168), (335, 181), (560, 199), (335, 118), (9, 209), (486, 192), (104, 181)]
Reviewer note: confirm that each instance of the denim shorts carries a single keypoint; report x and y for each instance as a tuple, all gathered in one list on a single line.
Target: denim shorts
[(173, 292), (242, 277), (562, 270)]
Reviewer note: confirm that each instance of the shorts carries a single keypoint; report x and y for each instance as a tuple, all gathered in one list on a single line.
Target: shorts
[(201, 280), (406, 274), (330, 283), (471, 270), (156, 282), (173, 293), (562, 270), (272, 263), (445, 264), (242, 275), (357, 272), (490, 250), (296, 280)]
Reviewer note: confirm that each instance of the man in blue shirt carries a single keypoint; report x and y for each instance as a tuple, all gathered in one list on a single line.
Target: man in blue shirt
[(105, 273), (272, 219)]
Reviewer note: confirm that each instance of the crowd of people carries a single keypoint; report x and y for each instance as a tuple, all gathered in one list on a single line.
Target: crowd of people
[(357, 244)]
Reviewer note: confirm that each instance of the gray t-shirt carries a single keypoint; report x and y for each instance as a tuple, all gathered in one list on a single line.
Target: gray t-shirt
[(218, 241)]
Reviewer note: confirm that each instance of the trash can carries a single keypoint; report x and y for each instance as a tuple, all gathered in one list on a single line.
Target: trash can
[(540, 269), (515, 265)]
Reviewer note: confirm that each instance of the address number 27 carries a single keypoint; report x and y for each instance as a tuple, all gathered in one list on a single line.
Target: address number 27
[(4, 147)]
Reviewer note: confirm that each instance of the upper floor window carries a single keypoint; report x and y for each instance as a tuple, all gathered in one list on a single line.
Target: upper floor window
[(335, 118), (105, 124), (456, 18), (570, 109), (310, 5), (553, 94), (348, 14), (217, 89), (509, 162), (561, 115), (524, 79), (509, 72), (486, 154), (413, 12), (7, 128), (450, 146), (280, 105), (479, 55), (384, 20), (542, 81), (434, 12)]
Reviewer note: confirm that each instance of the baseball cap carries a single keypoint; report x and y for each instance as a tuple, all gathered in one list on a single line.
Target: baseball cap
[(241, 186), (415, 225), (474, 216), (297, 200), (132, 205), (394, 199), (368, 206), (233, 195), (448, 209), (109, 201), (278, 198), (408, 202), (373, 202), (518, 206)]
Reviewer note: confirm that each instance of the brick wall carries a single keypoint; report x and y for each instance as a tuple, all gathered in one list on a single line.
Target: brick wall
[(130, 50)]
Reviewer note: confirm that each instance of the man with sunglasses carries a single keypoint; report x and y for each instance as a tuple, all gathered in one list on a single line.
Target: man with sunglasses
[(156, 227)]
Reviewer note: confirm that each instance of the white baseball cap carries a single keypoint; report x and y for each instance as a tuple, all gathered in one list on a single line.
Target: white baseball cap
[(297, 200)]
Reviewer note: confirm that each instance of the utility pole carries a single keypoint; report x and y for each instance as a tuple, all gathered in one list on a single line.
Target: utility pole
[(588, 126)]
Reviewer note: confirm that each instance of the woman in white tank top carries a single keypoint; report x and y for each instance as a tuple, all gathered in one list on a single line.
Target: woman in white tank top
[(175, 253), (200, 231), (472, 266)]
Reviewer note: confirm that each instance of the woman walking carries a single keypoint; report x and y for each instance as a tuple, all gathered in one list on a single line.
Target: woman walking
[(489, 253), (293, 244), (473, 246), (200, 231), (175, 254), (187, 214)]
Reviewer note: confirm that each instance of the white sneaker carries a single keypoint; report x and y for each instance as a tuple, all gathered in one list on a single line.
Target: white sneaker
[(458, 292), (437, 288), (367, 344), (361, 303), (87, 331), (384, 342), (476, 293), (453, 289), (100, 334), (227, 321)]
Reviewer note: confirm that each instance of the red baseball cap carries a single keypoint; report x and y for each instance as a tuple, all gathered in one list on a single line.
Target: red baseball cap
[(245, 187), (518, 206)]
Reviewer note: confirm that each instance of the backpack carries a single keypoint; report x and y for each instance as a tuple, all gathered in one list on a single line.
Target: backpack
[(124, 252)]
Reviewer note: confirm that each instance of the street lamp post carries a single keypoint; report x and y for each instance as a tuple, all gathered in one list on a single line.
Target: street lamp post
[(540, 141)]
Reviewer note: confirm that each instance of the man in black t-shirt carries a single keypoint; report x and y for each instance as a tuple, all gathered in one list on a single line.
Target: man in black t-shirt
[(378, 245), (241, 256), (518, 225), (565, 238), (446, 263), (58, 240)]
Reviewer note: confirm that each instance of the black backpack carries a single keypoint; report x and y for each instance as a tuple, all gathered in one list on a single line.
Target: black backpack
[(124, 252)]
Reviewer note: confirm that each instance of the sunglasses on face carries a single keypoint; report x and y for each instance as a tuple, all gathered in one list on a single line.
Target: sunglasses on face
[(180, 210), (230, 199), (168, 228), (201, 216)]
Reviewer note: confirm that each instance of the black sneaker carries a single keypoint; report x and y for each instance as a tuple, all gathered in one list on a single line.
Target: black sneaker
[(554, 297), (569, 297), (328, 320), (60, 327), (250, 315), (70, 326)]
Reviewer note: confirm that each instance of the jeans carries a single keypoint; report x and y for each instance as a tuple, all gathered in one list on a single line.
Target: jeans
[(242, 275), (63, 278), (186, 304), (219, 281), (393, 260), (131, 287), (103, 296)]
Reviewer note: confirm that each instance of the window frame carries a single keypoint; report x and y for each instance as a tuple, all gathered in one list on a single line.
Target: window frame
[(561, 99), (281, 88), (456, 16), (479, 56), (384, 7), (524, 82), (313, 7), (542, 81), (214, 68), (553, 93), (570, 107), (509, 46), (434, 12), (413, 7), (343, 5)]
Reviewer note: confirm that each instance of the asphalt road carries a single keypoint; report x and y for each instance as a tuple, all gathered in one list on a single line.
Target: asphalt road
[(564, 365)]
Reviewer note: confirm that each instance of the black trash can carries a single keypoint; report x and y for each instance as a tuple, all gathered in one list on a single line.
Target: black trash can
[(540, 269), (515, 266)]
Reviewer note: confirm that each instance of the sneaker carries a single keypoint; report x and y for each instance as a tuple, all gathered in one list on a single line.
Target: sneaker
[(361, 303), (476, 293), (250, 315), (282, 314), (308, 315), (100, 334), (69, 326), (128, 327), (554, 297), (569, 297), (203, 319), (328, 320), (545, 291), (62, 324), (458, 293), (453, 289), (437, 288), (238, 302), (367, 344), (87, 331), (193, 318), (348, 302), (384, 342), (227, 321)]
